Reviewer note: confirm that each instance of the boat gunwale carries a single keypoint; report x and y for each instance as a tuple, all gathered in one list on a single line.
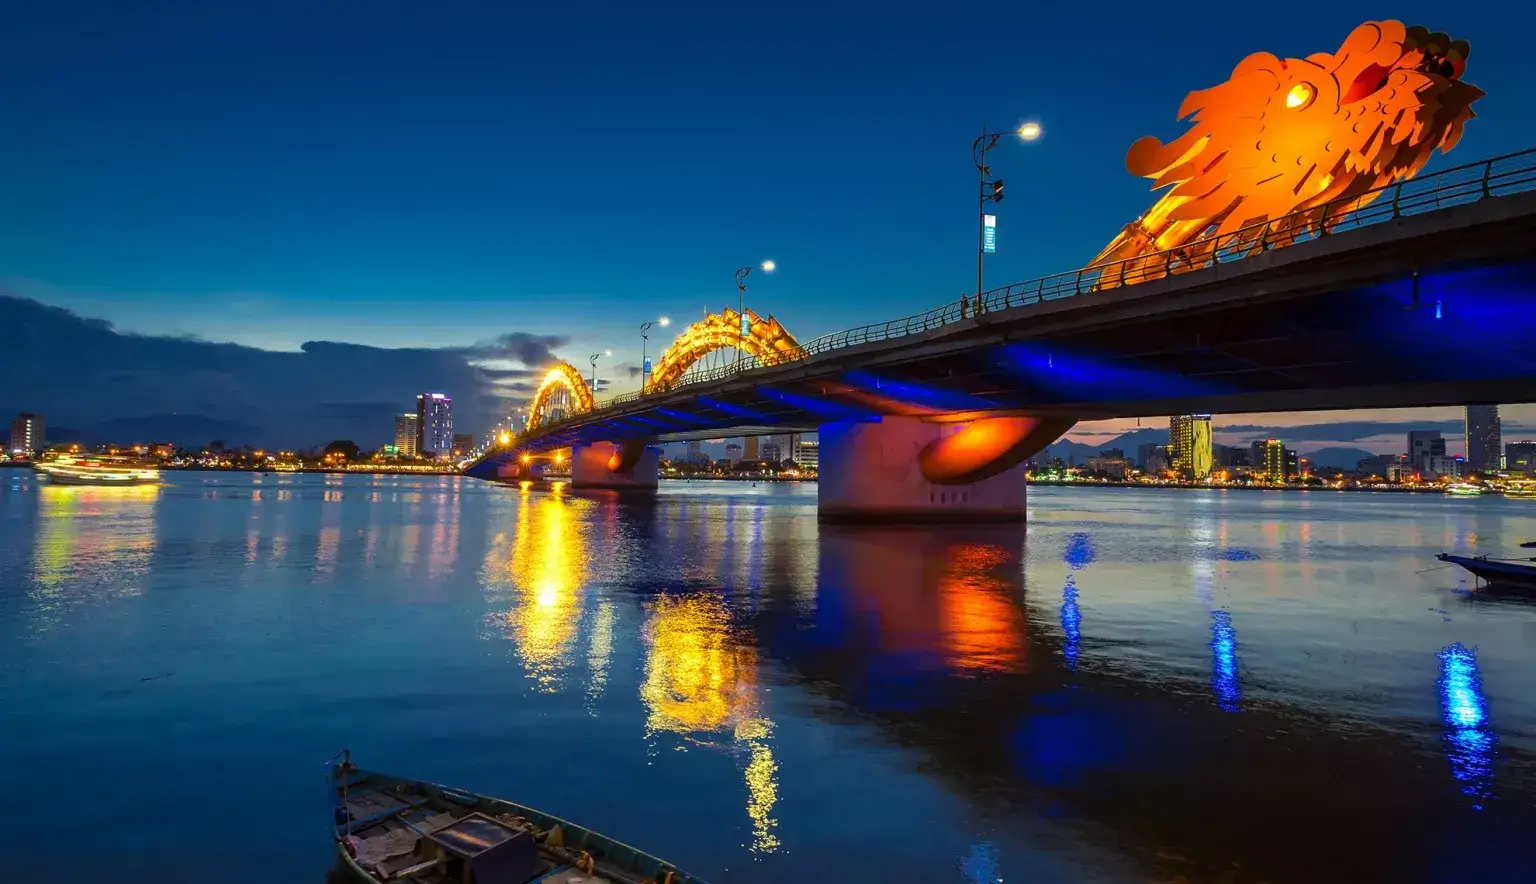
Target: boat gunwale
[(361, 777)]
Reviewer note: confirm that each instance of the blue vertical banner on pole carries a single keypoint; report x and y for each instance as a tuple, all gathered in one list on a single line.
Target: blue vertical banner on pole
[(989, 234), (647, 368), (746, 326)]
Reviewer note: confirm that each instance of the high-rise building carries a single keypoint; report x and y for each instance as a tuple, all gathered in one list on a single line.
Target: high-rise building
[(696, 452), (809, 454), (1190, 440), (751, 453), (463, 443), (1423, 445), (28, 434), (1146, 451), (772, 452), (1274, 460), (1520, 457), (733, 454), (434, 424), (1484, 442), (406, 432)]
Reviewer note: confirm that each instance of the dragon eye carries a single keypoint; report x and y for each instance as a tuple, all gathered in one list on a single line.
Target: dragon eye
[(1300, 96)]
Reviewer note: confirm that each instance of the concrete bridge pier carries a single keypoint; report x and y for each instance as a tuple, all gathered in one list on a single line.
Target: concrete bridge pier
[(917, 470), (517, 471), (630, 466)]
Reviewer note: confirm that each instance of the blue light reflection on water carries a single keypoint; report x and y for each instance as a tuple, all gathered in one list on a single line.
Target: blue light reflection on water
[(1071, 622), (1224, 661), (1469, 743), (980, 865)]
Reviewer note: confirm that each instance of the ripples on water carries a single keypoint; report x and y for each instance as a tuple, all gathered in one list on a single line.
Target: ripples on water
[(1148, 685)]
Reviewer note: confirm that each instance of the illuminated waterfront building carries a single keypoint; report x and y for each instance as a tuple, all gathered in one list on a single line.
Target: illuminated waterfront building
[(434, 424), (1189, 436), (1483, 435), (28, 434), (406, 431), (751, 453), (733, 454), (808, 455), (463, 443), (1274, 460), (1520, 457)]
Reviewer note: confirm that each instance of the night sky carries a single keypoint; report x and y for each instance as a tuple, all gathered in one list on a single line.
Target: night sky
[(464, 178)]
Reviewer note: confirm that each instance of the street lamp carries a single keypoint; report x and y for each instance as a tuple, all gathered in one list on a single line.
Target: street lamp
[(741, 293), (593, 359), (645, 327), (991, 189)]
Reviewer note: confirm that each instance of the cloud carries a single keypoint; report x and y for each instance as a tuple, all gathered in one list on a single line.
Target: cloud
[(1342, 431), (535, 351), (81, 372)]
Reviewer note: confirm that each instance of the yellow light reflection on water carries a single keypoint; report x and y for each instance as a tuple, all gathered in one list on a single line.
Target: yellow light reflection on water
[(91, 542), (696, 679), (701, 682), (599, 649), (545, 571)]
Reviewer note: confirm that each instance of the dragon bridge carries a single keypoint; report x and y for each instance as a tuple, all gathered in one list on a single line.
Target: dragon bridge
[(561, 376), (1287, 147), (765, 340)]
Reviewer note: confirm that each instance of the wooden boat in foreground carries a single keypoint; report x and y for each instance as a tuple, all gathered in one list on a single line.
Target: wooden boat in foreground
[(393, 829), (1505, 573)]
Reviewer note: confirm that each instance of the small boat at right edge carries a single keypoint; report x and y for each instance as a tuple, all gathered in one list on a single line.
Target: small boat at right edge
[(1499, 573)]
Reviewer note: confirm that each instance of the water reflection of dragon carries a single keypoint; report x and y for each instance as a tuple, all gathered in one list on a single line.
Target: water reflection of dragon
[(1307, 138)]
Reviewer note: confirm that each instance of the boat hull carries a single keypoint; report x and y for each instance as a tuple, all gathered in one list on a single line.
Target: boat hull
[(1509, 575), (564, 846), (99, 481)]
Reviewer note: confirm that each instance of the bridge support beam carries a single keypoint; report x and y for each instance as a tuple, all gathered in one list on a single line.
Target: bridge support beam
[(630, 466), (908, 470)]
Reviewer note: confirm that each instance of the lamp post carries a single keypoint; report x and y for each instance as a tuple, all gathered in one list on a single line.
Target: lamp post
[(990, 189), (593, 359), (741, 294), (644, 338)]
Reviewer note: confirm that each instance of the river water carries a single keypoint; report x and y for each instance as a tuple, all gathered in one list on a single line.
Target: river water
[(1144, 685)]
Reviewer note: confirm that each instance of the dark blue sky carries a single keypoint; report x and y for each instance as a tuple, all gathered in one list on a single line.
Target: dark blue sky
[(430, 175)]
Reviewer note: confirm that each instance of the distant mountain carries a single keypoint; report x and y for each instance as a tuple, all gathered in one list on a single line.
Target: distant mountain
[(1339, 458), (182, 430), (1078, 452)]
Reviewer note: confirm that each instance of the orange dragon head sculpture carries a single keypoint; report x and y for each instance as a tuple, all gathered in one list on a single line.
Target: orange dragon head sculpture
[(1282, 137)]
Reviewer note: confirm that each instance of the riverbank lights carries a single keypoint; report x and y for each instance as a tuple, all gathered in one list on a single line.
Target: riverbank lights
[(1031, 131)]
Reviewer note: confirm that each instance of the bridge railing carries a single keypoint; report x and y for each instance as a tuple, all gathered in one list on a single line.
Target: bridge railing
[(1459, 185)]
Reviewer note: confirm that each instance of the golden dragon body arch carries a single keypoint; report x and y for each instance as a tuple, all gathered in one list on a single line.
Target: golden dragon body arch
[(561, 376), (766, 341)]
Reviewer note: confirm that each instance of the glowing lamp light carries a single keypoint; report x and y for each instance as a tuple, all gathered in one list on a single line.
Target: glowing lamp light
[(1030, 131), (527, 458), (504, 438), (769, 266), (664, 322)]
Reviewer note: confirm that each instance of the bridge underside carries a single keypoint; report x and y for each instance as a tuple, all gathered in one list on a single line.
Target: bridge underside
[(1447, 337), (1365, 319)]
